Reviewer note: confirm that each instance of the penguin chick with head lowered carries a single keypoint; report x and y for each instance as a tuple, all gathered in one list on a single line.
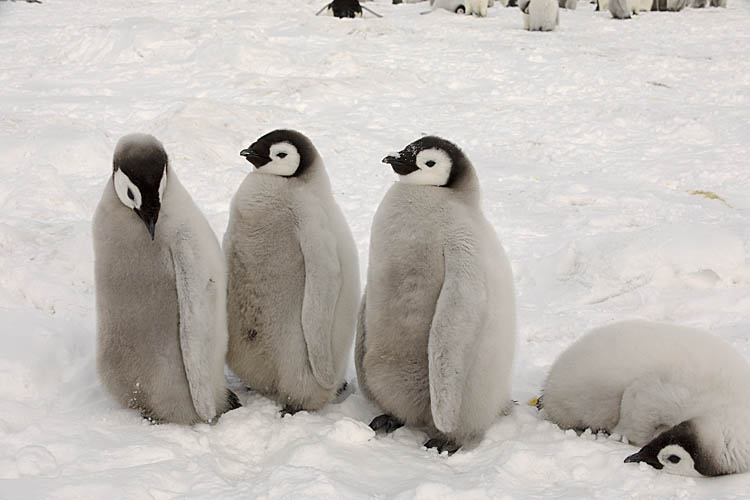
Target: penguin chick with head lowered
[(437, 324), (540, 15), (679, 392), (160, 292), (293, 276)]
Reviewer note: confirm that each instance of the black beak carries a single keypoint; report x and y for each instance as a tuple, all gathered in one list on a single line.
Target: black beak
[(255, 158), (399, 166), (149, 217), (644, 456)]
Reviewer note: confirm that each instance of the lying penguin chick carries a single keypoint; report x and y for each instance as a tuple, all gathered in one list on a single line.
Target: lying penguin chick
[(621, 9), (540, 15), (679, 392), (160, 292), (436, 331), (456, 6)]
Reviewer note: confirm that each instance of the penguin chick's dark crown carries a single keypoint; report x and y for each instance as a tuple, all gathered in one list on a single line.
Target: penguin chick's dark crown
[(259, 152), (460, 164), (686, 436), (143, 160)]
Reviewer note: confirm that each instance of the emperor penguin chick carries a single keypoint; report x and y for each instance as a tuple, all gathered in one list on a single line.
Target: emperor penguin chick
[(679, 392), (540, 15), (160, 292), (437, 324), (293, 276)]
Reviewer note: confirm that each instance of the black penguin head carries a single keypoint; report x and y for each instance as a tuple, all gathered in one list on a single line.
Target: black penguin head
[(140, 176), (287, 153), (345, 8), (430, 161), (684, 449)]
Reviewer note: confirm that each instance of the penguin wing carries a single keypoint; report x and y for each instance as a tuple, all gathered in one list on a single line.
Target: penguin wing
[(322, 288), (359, 348), (459, 315), (197, 298), (524, 6)]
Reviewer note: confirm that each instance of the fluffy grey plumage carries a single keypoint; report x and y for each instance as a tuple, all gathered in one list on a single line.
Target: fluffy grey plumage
[(293, 276), (436, 331), (160, 292), (679, 392)]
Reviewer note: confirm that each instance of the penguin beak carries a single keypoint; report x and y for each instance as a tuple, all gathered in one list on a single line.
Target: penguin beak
[(257, 159), (149, 217), (644, 456), (400, 166)]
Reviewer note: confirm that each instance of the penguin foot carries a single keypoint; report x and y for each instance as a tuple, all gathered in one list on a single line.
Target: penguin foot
[(442, 445), (289, 410), (233, 402), (385, 423), (343, 388)]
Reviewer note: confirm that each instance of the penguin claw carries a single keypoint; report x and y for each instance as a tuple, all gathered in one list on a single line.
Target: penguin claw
[(233, 402), (289, 410), (442, 445), (385, 423)]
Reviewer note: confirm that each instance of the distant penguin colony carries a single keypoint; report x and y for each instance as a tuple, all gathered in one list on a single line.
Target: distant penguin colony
[(293, 276), (680, 393), (436, 330), (160, 292)]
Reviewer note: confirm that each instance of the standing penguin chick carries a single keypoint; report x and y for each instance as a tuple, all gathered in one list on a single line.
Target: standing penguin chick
[(679, 392), (476, 7), (437, 325), (293, 276), (160, 292), (621, 9), (540, 15)]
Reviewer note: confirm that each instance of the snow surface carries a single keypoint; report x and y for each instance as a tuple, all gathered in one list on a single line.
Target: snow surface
[(588, 141)]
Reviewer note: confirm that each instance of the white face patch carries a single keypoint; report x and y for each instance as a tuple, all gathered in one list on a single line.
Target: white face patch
[(163, 183), (129, 194), (434, 169), (284, 160), (676, 460)]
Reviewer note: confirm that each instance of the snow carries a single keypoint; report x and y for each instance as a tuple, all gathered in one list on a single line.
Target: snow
[(613, 157)]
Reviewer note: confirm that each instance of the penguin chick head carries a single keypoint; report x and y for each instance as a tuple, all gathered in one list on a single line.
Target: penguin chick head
[(140, 176), (287, 153), (429, 161), (691, 448)]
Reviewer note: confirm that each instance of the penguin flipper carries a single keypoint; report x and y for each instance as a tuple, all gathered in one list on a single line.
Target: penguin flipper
[(651, 405), (322, 288), (359, 349), (197, 298), (459, 314)]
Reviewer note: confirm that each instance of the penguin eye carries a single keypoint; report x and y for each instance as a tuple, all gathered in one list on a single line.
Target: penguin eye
[(281, 155), (674, 459), (430, 163), (130, 195)]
